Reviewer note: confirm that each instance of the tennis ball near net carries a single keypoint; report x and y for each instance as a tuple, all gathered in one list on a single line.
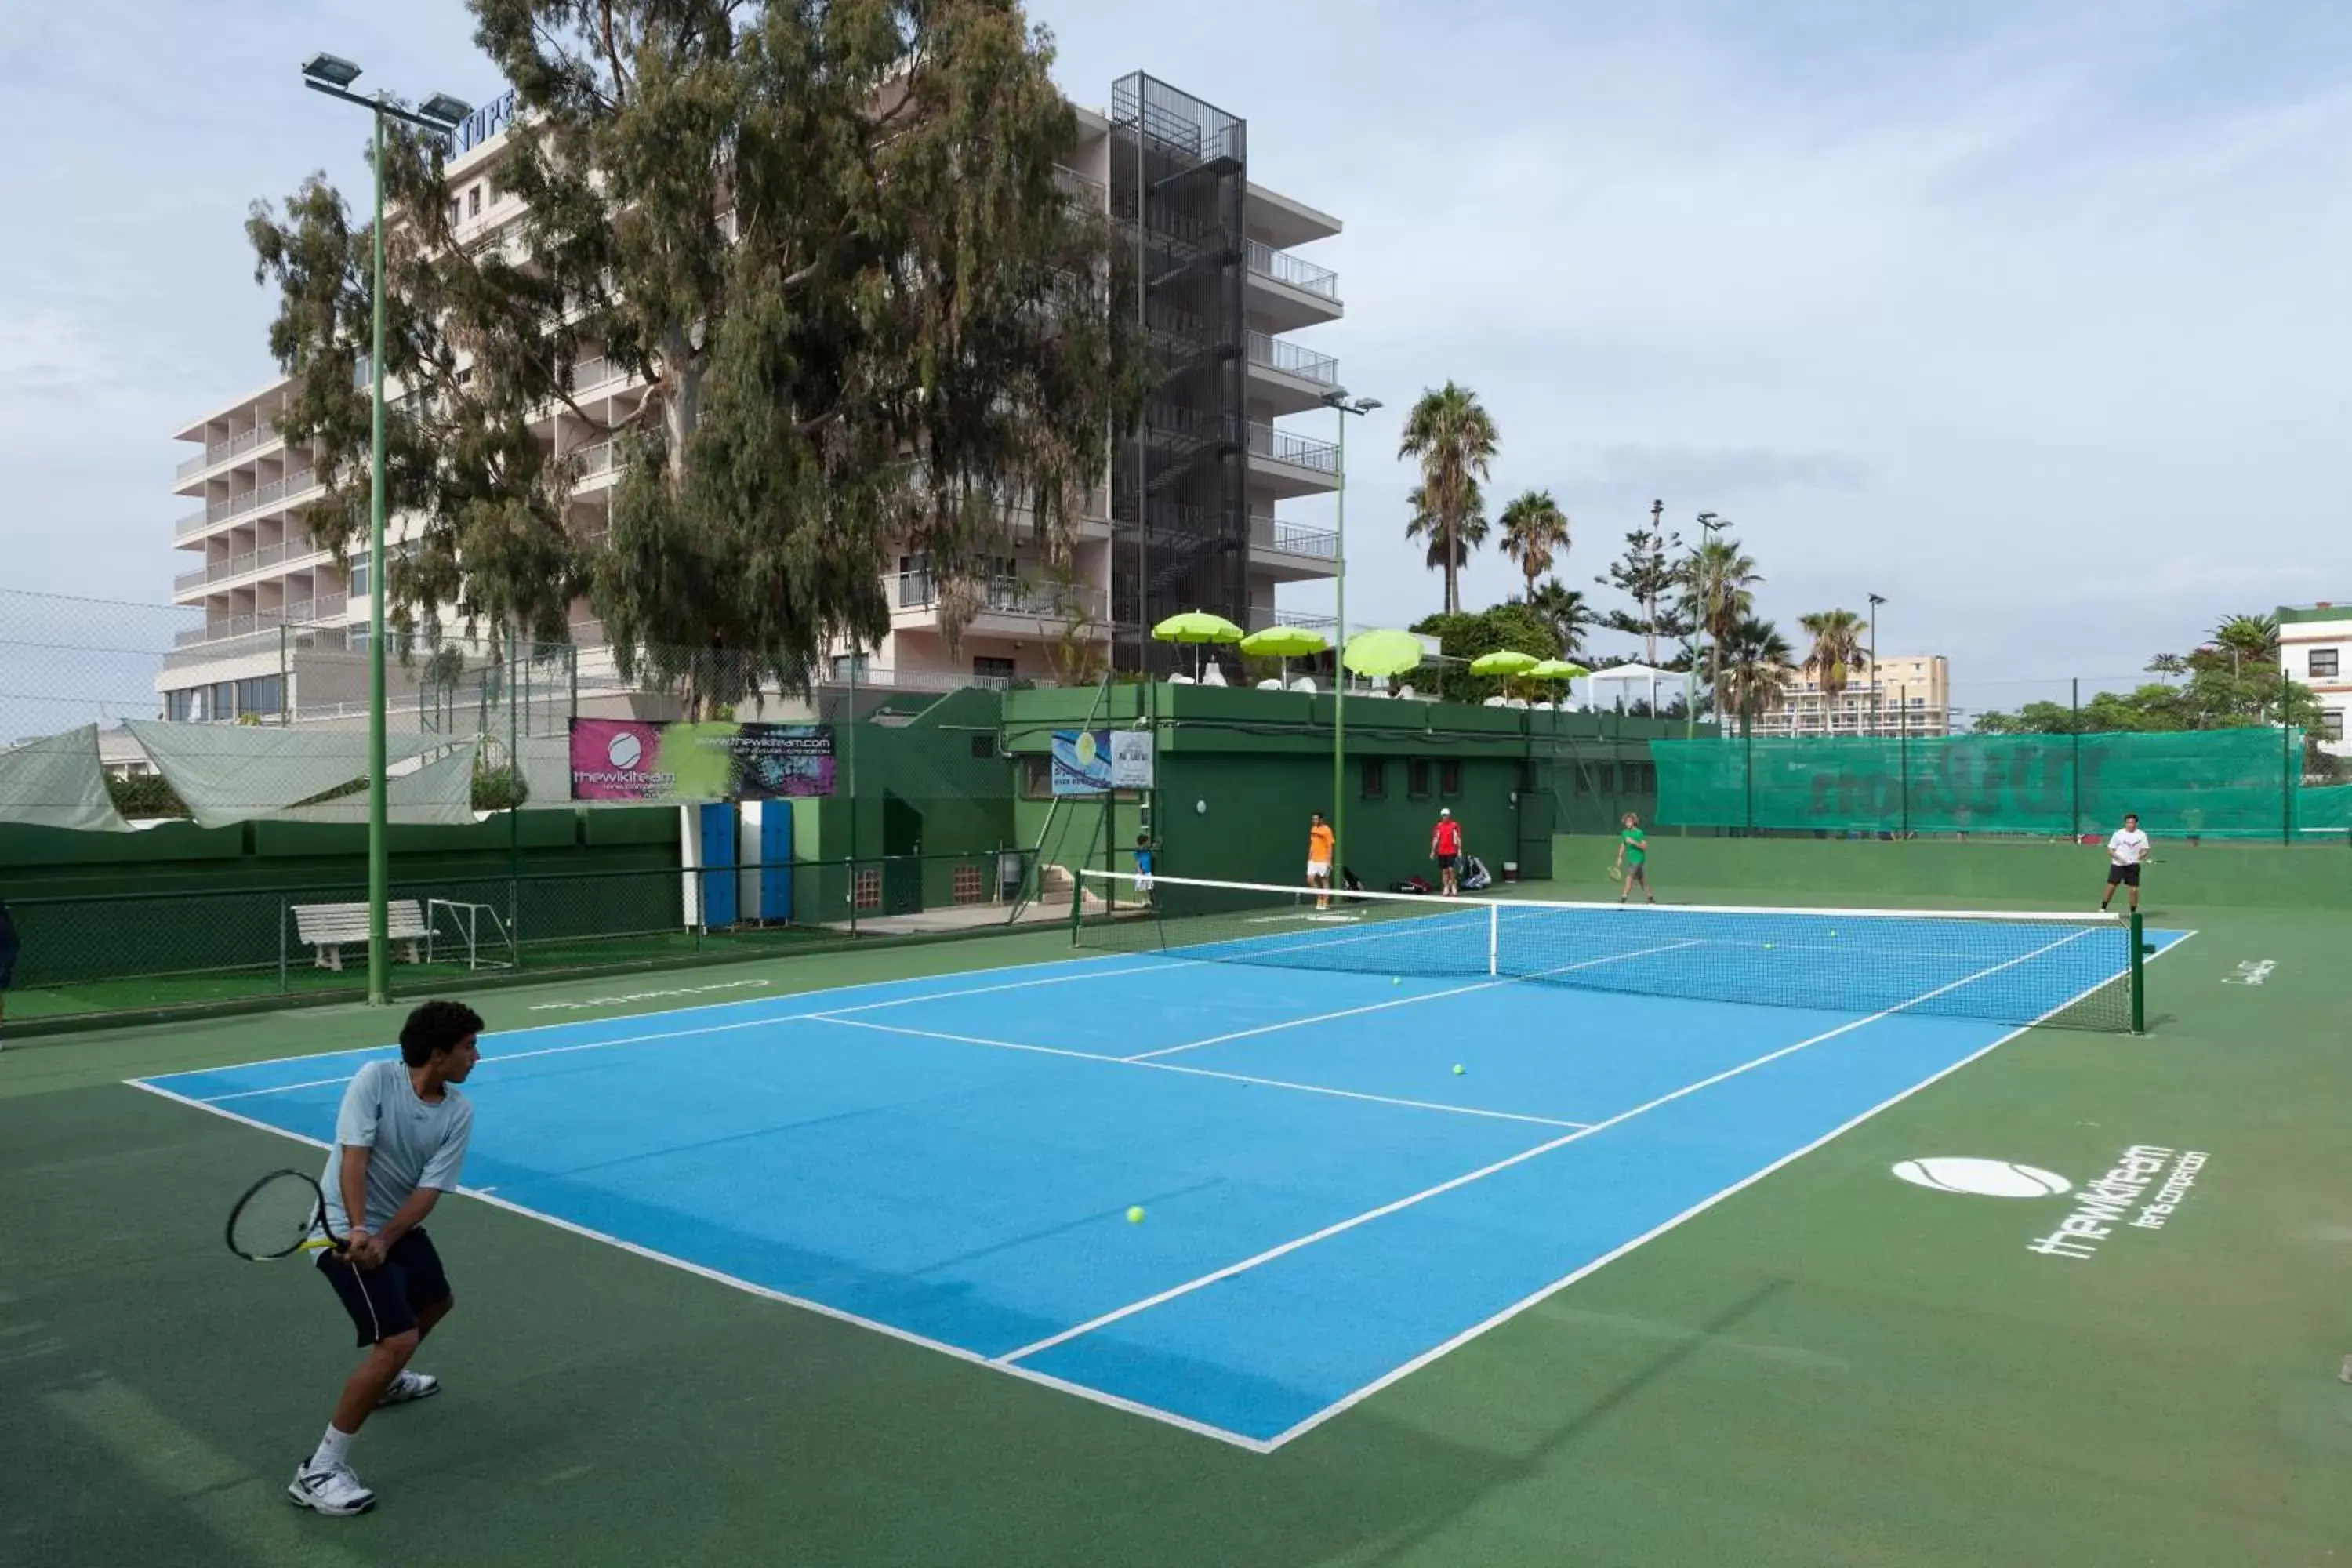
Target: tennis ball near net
[(1457, 1069), (1135, 1214)]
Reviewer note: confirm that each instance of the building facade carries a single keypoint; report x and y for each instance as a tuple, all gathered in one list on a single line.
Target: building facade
[(2315, 644), (1903, 694), (1189, 517)]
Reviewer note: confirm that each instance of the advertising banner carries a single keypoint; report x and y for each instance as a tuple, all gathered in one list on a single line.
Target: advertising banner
[(639, 760), (1095, 762)]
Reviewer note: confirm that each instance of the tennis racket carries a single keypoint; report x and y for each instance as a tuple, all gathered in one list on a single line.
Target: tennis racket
[(281, 1214)]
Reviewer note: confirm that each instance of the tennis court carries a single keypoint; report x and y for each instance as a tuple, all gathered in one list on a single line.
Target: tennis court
[(1326, 1204)]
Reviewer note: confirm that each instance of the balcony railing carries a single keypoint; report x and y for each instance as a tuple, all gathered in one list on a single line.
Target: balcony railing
[(595, 459), (237, 565), (1082, 191), (1262, 616), (1284, 268), (196, 522), (1300, 451), (195, 465), (1002, 595), (1292, 539), (300, 613), (1276, 354), (594, 372)]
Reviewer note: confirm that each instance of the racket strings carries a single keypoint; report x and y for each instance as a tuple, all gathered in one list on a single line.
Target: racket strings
[(276, 1217)]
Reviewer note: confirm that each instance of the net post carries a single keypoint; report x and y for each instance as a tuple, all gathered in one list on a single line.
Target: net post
[(1494, 938), (2139, 975)]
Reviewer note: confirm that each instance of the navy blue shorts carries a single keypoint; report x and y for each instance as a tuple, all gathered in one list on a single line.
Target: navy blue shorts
[(384, 1300)]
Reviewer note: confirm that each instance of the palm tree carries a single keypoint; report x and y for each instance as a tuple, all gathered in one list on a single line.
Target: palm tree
[(1756, 666), (1424, 524), (1716, 584), (1837, 648), (1564, 610), (1535, 534), (2247, 636), (1454, 438)]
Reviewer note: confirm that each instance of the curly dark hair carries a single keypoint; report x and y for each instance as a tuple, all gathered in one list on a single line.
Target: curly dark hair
[(437, 1027)]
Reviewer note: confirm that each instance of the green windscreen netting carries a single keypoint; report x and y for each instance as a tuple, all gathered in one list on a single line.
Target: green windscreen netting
[(2220, 784)]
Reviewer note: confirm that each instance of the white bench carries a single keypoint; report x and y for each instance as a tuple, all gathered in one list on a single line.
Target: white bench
[(330, 928)]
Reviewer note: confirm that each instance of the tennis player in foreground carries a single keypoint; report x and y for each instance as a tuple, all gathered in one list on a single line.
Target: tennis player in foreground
[(400, 1142)]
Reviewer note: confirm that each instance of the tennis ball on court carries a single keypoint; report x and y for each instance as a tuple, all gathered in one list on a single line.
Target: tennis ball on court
[(1396, 979), (1767, 944), (1135, 1214), (1457, 1069)]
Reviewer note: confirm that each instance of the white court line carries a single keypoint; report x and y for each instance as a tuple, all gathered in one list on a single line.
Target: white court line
[(1285, 1248), (642, 1040), (972, 1357), (1206, 1072), (1409, 1001), (1399, 1373)]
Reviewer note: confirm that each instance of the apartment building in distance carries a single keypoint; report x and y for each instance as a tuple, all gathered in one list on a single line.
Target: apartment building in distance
[(1903, 694), (2316, 642), (1189, 517)]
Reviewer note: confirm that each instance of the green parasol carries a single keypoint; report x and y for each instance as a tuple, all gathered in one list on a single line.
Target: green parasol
[(1382, 655), (1197, 626), (1503, 662), (1558, 670), (1284, 643)]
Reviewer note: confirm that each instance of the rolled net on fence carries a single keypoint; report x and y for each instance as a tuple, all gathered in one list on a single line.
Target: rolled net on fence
[(2215, 784)]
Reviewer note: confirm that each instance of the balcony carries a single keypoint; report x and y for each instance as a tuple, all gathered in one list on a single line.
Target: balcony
[(1289, 359), (1088, 194), (1263, 616), (592, 374), (230, 566), (1282, 464), (1288, 293), (1012, 599), (1285, 538), (225, 627)]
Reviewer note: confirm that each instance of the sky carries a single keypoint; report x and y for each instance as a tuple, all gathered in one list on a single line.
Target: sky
[(2027, 317)]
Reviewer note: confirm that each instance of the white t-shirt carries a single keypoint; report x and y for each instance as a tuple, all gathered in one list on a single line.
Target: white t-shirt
[(2129, 846), (411, 1143)]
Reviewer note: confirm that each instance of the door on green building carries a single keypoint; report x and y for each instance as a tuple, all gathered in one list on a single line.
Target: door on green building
[(902, 852), (1539, 817)]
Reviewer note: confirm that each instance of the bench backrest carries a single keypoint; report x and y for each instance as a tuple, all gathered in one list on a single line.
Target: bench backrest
[(349, 922)]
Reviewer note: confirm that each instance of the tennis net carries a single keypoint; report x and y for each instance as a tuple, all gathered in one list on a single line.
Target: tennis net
[(2014, 968)]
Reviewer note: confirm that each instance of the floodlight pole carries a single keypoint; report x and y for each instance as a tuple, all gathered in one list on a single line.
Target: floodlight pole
[(1707, 523), (333, 76), (1342, 405), (1874, 602)]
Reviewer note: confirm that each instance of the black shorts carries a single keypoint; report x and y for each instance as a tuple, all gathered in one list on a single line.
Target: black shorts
[(2128, 875), (1449, 862), (384, 1300)]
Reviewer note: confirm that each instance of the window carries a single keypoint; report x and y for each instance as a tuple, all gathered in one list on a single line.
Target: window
[(970, 887), (866, 887), (983, 748), (845, 665), (474, 201), (223, 704), (455, 212), (2331, 723), (987, 669), (2323, 663), (1641, 778), (1376, 779), (358, 582), (1604, 778), (1416, 778), (1449, 776), (179, 706), (1037, 776), (258, 694), (1583, 771)]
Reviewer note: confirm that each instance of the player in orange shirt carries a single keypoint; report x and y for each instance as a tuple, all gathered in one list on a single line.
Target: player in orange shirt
[(1318, 858)]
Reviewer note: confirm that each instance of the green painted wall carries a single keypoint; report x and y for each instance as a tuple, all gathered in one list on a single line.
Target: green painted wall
[(2003, 874), (1240, 770)]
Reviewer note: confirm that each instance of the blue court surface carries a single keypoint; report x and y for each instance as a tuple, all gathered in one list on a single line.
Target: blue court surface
[(1326, 1204)]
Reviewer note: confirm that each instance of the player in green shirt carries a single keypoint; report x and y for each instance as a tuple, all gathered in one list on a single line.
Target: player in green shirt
[(1633, 855)]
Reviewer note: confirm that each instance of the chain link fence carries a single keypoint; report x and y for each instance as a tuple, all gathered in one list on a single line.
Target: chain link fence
[(173, 948)]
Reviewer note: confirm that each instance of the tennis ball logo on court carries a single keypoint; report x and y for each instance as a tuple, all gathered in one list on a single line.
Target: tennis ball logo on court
[(625, 751), (1983, 1178)]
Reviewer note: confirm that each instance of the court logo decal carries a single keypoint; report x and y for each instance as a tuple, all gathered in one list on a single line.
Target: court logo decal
[(2142, 1191), (1983, 1178)]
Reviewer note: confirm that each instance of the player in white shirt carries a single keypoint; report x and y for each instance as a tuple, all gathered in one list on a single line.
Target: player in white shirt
[(2127, 848)]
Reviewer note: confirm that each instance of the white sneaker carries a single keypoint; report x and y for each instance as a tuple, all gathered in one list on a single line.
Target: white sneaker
[(336, 1492), (409, 1387)]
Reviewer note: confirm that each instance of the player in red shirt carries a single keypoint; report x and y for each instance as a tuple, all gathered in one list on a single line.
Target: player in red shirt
[(1446, 848)]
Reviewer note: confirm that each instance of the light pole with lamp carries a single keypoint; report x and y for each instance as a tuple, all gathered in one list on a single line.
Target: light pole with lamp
[(1709, 525), (1874, 602), (1340, 403), (441, 114)]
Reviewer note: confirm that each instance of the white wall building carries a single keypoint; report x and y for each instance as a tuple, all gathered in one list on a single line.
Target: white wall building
[(2316, 641), (1902, 694), (285, 628)]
